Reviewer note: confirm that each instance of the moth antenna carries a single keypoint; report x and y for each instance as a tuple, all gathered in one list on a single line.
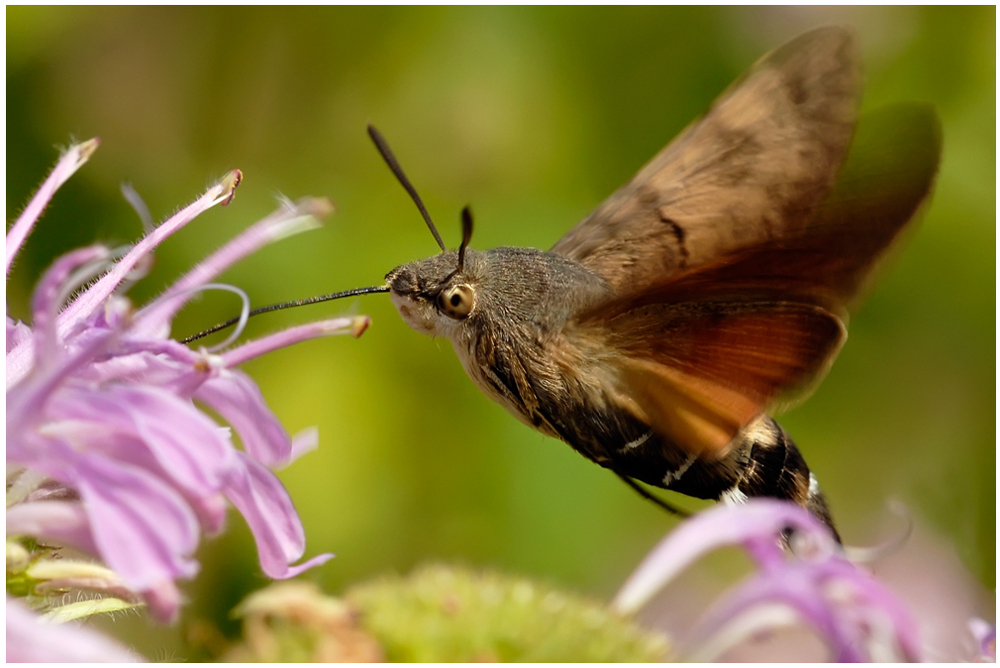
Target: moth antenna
[(383, 147), (284, 305), (466, 235)]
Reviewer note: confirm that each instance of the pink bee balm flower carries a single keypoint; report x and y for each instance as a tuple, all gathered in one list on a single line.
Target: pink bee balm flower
[(859, 618), (107, 451)]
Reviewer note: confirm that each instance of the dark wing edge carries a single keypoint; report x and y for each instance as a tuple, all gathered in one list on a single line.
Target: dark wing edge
[(757, 165)]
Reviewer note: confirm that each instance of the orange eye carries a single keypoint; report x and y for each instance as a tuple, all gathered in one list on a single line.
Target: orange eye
[(457, 301)]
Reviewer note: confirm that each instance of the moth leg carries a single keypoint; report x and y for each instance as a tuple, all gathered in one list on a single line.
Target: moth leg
[(764, 462), (650, 497)]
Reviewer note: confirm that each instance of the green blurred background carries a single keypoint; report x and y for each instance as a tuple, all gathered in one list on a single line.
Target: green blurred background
[(532, 115)]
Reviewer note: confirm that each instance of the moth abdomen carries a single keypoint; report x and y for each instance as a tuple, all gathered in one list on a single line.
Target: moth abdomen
[(762, 461)]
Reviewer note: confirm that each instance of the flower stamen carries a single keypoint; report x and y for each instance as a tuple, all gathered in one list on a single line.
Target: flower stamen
[(71, 160)]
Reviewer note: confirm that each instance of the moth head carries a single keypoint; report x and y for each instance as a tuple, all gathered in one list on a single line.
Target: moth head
[(437, 295)]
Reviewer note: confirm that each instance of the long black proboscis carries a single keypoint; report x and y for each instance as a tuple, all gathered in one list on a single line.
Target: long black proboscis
[(390, 159), (278, 307)]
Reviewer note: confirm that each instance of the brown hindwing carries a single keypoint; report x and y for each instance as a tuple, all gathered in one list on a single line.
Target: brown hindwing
[(699, 372)]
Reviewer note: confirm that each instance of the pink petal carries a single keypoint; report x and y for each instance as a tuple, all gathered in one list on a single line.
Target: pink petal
[(63, 522), (45, 302), (986, 640), (17, 333), (238, 399), (26, 401), (268, 510), (303, 442), (757, 523), (794, 588), (131, 421), (31, 639), (163, 600), (144, 530), (141, 527)]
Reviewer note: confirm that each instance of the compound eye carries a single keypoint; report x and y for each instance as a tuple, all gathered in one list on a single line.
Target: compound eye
[(457, 301)]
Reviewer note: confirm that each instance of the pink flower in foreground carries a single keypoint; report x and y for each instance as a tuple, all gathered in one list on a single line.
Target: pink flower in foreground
[(32, 639), (859, 618), (107, 451), (986, 640)]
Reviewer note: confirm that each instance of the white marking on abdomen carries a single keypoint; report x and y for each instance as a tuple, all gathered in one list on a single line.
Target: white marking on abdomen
[(733, 496), (674, 476), (636, 443)]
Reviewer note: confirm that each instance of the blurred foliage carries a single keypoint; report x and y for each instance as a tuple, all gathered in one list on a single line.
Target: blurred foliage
[(533, 115), (295, 622), (441, 613), (437, 614)]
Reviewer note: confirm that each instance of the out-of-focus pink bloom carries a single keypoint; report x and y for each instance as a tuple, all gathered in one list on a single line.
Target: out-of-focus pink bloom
[(107, 451), (32, 639), (858, 618), (985, 635), (948, 603)]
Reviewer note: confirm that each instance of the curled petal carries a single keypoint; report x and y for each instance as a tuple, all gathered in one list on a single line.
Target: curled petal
[(879, 611), (857, 617), (211, 511), (143, 528), (268, 510)]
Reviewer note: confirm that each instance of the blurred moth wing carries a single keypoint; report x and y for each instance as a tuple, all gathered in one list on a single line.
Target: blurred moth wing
[(735, 253), (754, 168)]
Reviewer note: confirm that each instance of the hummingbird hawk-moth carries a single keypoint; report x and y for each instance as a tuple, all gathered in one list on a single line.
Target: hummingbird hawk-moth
[(659, 332)]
